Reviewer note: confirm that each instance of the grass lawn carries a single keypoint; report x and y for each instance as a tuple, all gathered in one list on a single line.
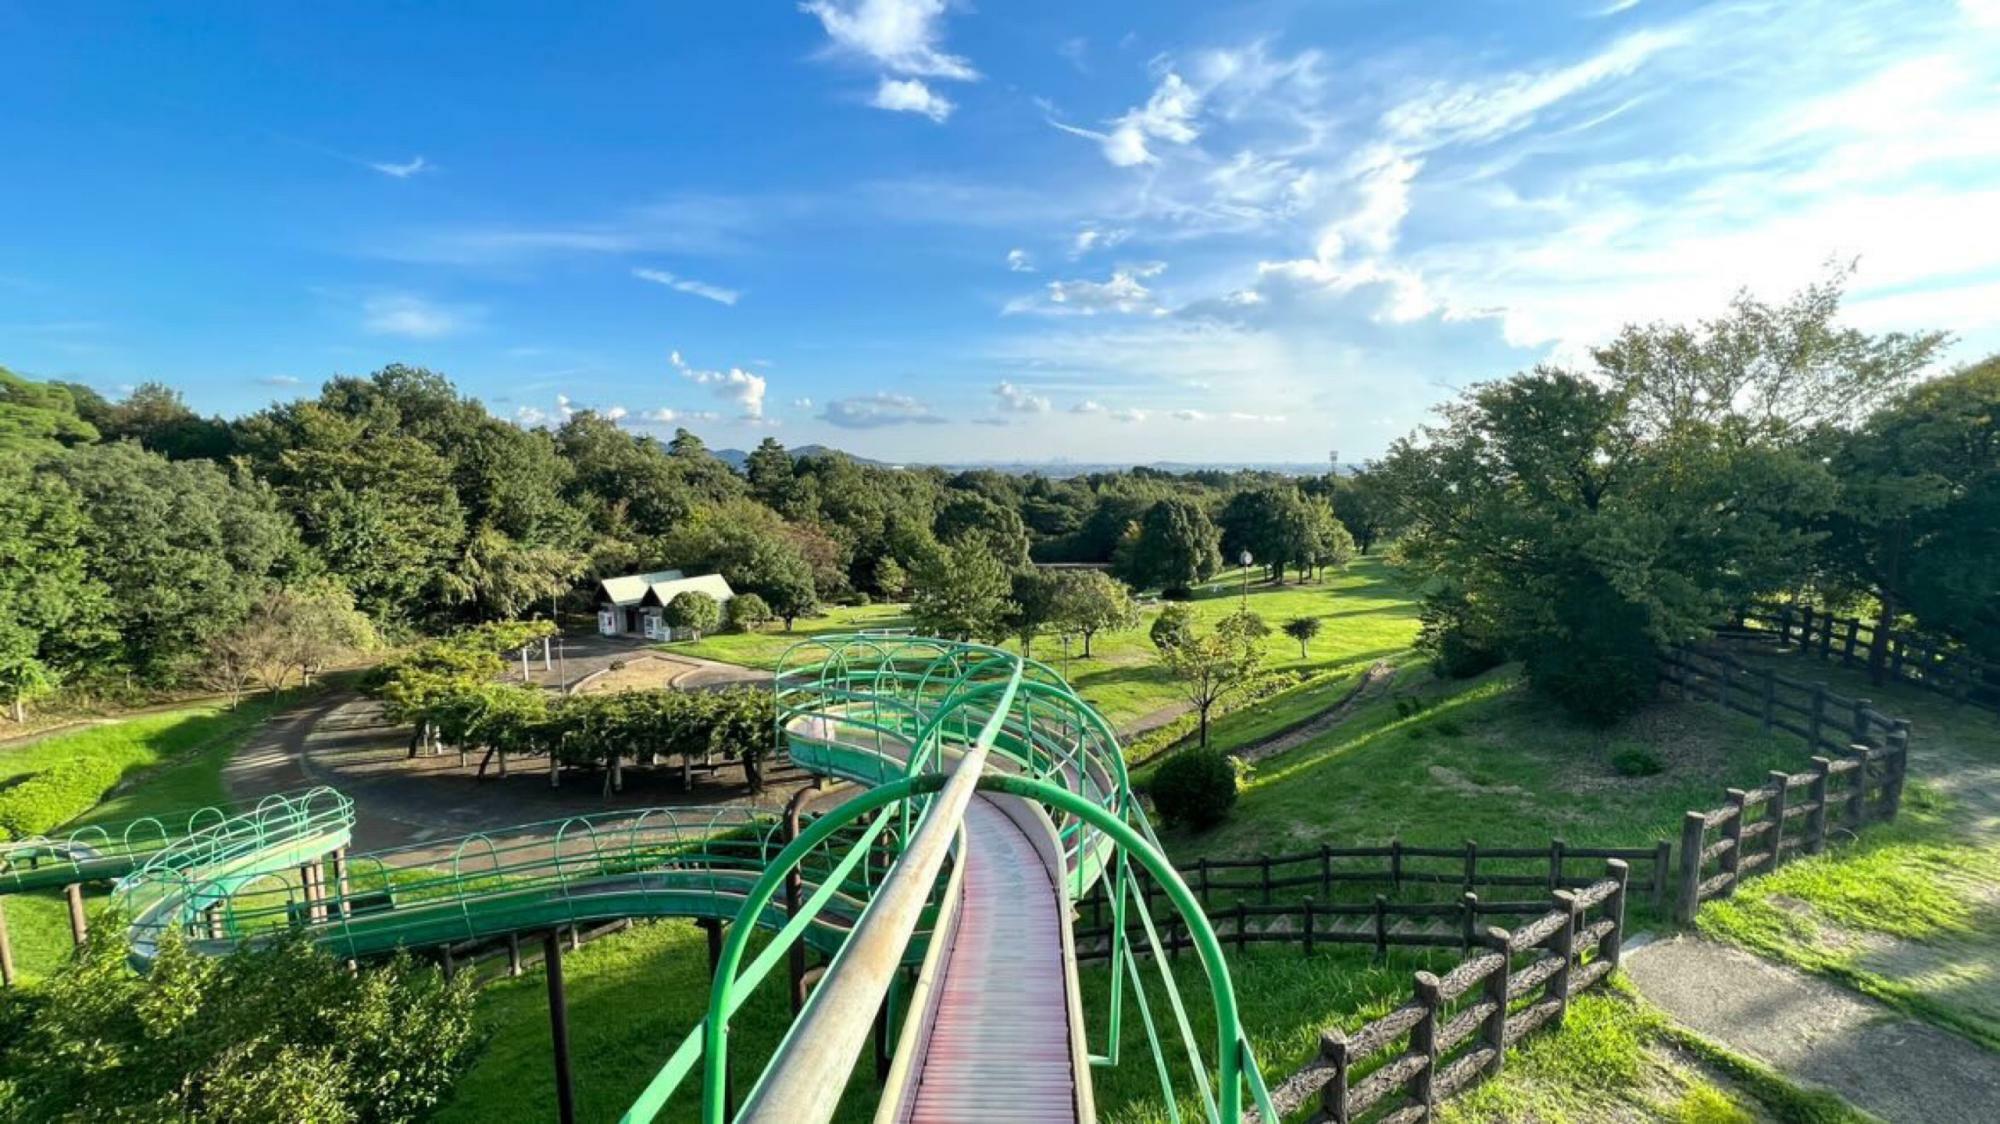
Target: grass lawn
[(171, 762), (632, 998), (1615, 1058), (1368, 616), (1486, 760), (1910, 912)]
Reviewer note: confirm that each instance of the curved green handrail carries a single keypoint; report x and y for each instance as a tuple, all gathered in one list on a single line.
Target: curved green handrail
[(915, 700)]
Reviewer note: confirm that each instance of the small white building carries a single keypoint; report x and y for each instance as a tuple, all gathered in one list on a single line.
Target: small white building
[(634, 605)]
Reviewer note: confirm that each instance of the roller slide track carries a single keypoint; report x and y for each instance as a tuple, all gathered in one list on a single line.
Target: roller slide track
[(992, 798)]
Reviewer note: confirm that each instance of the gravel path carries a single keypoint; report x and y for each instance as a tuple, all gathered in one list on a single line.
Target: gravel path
[(1817, 1033)]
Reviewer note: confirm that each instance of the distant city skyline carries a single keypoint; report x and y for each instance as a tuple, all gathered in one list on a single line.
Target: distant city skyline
[(937, 232)]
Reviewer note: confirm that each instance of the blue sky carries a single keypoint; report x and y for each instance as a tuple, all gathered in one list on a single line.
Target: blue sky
[(930, 230)]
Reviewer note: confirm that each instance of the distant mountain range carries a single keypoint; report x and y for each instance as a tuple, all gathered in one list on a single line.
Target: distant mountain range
[(1058, 469)]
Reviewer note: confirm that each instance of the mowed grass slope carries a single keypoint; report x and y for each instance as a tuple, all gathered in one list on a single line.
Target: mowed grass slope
[(1366, 615), (169, 762)]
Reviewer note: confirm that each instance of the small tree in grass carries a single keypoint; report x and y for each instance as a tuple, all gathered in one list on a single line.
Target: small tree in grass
[(1090, 602), (694, 611), (1303, 629), (1195, 789), (747, 612), (1209, 666)]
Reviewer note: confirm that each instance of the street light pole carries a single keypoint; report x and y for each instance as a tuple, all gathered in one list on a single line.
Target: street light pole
[(1245, 559)]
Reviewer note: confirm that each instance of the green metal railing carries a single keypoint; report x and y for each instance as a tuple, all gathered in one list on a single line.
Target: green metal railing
[(922, 723), (96, 851), (909, 715)]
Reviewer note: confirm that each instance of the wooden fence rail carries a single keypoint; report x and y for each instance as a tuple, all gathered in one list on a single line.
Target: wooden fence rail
[(1458, 1027), (1862, 757), (1853, 642), (1469, 866)]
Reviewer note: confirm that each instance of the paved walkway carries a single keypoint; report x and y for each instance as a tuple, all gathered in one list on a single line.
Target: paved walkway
[(1818, 1033)]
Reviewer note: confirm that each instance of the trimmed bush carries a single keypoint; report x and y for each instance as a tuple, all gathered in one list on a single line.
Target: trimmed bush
[(1196, 788), (57, 795), (747, 612)]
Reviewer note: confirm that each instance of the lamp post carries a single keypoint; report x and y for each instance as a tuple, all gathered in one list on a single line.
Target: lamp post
[(1245, 559)]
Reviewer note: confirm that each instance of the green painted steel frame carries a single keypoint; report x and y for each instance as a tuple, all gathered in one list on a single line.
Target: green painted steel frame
[(834, 677)]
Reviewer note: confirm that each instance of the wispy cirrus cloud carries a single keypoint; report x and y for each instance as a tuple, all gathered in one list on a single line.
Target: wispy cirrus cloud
[(404, 170), (415, 317), (688, 285)]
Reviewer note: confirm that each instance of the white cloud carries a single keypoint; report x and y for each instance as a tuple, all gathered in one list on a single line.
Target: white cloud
[(668, 416), (874, 411), (802, 403), (402, 171), (744, 388), (716, 293), (910, 95), (1189, 415), (279, 380), (1091, 407), (1125, 291), (1096, 238), (1018, 261), (405, 314), (529, 416), (902, 36), (1168, 115), (1981, 13), (615, 413), (1018, 400)]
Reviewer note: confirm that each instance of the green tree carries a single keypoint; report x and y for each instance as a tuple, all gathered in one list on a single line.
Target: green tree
[(961, 594), (37, 417), (1035, 596), (695, 611), (497, 578), (1366, 506), (181, 547), (769, 468), (974, 517), (1585, 520), (1918, 522), (1088, 602), (1209, 666), (1331, 545), (747, 612), (1176, 547), (1273, 523), (1303, 630), (1175, 624)]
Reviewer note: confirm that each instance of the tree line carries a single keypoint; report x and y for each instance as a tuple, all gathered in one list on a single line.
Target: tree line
[(144, 545), (1579, 519)]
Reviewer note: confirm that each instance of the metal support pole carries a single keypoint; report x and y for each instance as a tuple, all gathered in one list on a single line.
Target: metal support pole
[(6, 951), (552, 954), (78, 929)]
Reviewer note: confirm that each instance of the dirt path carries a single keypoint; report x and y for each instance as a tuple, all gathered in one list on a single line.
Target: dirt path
[(1373, 680), (1817, 1033)]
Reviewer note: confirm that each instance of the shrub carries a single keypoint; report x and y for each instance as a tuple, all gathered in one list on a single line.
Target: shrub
[(747, 612), (283, 1033), (1636, 761), (56, 795), (1196, 788)]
